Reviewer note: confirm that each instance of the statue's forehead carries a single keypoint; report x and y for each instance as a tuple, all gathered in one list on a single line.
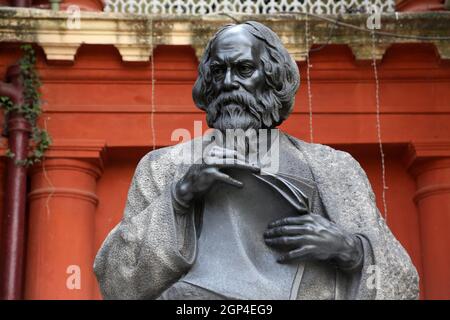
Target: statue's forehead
[(235, 42)]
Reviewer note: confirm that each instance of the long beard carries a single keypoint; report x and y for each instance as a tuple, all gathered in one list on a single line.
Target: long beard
[(240, 110), (233, 116)]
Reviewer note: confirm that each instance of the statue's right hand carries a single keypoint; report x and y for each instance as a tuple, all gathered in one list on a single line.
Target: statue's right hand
[(201, 177)]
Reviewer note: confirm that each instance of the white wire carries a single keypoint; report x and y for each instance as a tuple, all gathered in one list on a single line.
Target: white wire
[(153, 108), (47, 178), (380, 144), (311, 133)]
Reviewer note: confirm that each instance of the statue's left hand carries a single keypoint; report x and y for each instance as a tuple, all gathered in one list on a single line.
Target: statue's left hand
[(312, 237)]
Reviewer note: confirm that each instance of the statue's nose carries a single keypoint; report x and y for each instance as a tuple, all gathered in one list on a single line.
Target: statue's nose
[(229, 84)]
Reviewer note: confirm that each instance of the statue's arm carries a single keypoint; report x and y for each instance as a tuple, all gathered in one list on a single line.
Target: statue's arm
[(358, 283), (388, 272), (391, 267), (151, 247)]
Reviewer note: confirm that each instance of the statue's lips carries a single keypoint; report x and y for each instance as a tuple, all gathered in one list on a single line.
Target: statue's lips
[(232, 107), (241, 99)]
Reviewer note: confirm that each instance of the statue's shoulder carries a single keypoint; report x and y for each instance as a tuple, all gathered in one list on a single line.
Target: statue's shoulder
[(166, 159), (158, 168), (328, 163), (320, 152)]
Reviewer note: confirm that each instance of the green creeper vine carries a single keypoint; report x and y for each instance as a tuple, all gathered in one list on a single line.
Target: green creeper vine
[(31, 109)]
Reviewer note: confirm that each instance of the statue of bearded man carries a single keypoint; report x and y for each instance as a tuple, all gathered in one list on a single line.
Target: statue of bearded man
[(233, 230)]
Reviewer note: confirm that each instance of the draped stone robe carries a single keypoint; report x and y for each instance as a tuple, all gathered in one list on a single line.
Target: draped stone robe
[(152, 248)]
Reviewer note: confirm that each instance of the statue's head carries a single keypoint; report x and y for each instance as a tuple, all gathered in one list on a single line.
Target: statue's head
[(246, 78)]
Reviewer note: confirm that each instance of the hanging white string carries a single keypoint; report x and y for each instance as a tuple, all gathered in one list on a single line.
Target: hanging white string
[(47, 178), (380, 144), (152, 100), (308, 81)]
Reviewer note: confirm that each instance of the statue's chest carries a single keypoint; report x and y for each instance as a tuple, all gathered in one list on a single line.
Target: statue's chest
[(232, 257)]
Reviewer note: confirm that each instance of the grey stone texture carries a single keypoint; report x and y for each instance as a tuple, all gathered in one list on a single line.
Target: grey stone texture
[(153, 248)]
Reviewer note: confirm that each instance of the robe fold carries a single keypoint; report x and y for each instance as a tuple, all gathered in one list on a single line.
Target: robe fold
[(153, 247)]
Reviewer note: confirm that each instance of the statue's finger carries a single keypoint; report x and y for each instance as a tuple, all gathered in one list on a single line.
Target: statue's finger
[(220, 176), (304, 253), (240, 165), (218, 152), (228, 163), (289, 241), (288, 230), (296, 220), (230, 160)]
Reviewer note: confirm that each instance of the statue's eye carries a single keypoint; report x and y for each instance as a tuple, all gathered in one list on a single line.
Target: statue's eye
[(218, 71), (246, 70)]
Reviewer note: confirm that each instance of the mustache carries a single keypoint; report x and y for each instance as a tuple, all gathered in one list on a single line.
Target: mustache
[(243, 99)]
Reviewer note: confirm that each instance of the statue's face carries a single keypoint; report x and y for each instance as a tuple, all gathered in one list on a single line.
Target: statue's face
[(235, 62), (238, 79)]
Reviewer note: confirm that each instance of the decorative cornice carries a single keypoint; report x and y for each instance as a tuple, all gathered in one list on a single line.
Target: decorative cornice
[(60, 37), (76, 154), (424, 156), (364, 51), (82, 149), (135, 36), (76, 148), (86, 150), (426, 150), (58, 51)]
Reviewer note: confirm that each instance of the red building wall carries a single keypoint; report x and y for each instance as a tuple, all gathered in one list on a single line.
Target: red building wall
[(97, 111)]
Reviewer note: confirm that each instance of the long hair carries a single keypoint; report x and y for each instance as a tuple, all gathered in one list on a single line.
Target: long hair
[(281, 72)]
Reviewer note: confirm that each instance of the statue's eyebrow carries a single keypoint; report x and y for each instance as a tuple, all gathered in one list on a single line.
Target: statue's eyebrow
[(244, 61), (220, 63), (239, 61), (216, 63)]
